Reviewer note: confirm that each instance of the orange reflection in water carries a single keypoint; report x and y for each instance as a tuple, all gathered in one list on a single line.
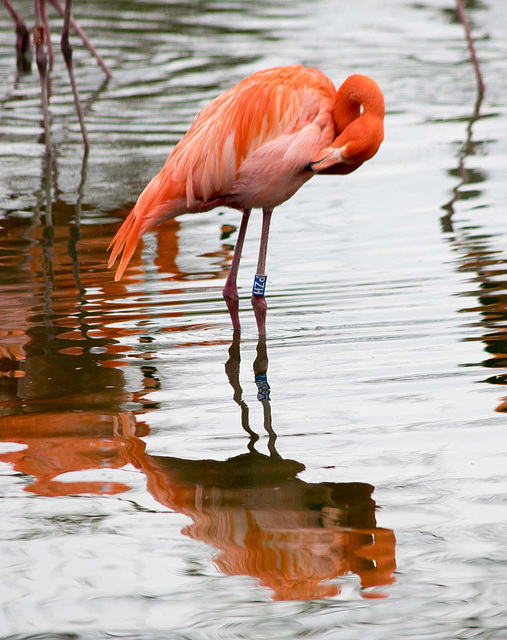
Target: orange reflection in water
[(293, 536), (59, 442)]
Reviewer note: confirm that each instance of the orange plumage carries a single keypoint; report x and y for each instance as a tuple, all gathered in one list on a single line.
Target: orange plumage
[(255, 145)]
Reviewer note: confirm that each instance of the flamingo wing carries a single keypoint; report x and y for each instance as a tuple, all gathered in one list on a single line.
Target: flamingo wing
[(263, 107)]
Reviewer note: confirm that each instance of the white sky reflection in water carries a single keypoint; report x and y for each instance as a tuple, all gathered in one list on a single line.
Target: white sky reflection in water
[(385, 344)]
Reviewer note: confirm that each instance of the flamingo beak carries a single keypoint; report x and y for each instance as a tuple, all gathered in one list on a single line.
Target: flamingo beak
[(327, 158)]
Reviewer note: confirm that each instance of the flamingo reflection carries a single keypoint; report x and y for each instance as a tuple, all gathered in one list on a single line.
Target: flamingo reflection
[(295, 537)]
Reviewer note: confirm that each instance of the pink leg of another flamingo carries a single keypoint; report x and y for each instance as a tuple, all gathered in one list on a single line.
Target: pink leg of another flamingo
[(67, 56), (61, 10), (39, 37), (45, 24), (475, 60), (230, 291), (258, 300), (22, 39)]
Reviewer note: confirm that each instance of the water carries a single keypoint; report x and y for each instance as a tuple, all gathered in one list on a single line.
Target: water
[(136, 500)]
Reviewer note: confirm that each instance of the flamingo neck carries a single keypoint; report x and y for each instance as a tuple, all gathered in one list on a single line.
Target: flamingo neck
[(358, 114)]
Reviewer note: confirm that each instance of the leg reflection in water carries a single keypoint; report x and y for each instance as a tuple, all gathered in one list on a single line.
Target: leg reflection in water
[(294, 537)]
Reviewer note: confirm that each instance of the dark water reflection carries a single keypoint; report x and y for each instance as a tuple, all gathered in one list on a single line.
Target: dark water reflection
[(119, 430), (478, 254)]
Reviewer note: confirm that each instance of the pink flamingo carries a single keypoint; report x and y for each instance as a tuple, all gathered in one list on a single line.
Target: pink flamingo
[(254, 147)]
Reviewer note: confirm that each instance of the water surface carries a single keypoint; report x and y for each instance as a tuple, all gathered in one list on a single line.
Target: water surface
[(148, 487)]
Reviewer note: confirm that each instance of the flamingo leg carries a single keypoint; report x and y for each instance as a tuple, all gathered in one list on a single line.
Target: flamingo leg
[(475, 60), (42, 66), (45, 24), (230, 291), (61, 10), (67, 55), (258, 300), (22, 39)]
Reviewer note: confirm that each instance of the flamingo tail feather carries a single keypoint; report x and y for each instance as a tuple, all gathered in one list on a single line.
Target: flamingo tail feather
[(156, 204)]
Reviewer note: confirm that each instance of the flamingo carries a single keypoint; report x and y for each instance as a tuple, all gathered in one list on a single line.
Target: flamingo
[(252, 147)]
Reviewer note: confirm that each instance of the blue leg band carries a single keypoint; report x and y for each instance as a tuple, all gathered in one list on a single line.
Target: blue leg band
[(263, 388), (259, 285)]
